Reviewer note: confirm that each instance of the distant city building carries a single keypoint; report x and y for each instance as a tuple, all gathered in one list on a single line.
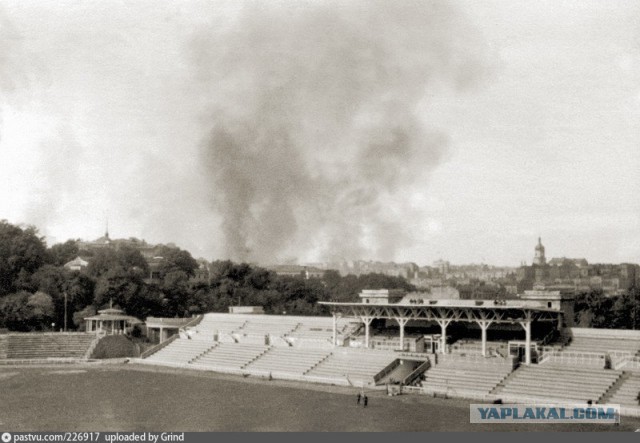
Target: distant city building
[(305, 272), (77, 264), (202, 275), (99, 243), (576, 273), (442, 266), (360, 267)]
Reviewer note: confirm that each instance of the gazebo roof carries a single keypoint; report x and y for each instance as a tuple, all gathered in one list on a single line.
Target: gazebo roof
[(107, 317), (112, 311), (112, 314)]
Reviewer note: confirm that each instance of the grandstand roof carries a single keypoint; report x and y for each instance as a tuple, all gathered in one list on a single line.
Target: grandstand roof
[(167, 322), (498, 311)]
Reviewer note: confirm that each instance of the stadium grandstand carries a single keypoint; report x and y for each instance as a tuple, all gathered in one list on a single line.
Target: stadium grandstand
[(518, 350)]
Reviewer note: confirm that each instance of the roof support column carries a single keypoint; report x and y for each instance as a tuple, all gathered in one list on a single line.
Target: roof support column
[(526, 324), (559, 321), (484, 325), (443, 339), (367, 321), (401, 322)]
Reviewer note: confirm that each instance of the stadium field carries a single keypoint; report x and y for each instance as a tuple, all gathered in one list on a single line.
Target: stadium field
[(131, 397)]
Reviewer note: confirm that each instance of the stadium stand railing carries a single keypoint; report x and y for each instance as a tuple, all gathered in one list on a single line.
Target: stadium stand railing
[(386, 371), (572, 358), (195, 322), (416, 374), (91, 348), (152, 350)]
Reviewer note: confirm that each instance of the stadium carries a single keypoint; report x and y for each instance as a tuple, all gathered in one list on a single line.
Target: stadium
[(420, 361)]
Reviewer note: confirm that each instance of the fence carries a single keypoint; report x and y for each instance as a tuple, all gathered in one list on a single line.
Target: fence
[(593, 359), (629, 363)]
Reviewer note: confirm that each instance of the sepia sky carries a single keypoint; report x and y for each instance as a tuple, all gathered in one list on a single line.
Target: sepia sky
[(326, 130)]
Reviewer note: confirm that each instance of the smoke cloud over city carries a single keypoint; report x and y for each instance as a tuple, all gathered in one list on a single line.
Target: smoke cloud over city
[(303, 131), (315, 134)]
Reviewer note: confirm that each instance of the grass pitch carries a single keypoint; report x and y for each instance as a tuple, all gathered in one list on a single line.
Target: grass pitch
[(133, 397)]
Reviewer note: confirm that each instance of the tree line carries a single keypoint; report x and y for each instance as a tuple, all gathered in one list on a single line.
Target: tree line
[(594, 310), (34, 284)]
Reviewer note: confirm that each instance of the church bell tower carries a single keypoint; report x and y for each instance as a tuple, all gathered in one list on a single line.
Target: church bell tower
[(539, 259)]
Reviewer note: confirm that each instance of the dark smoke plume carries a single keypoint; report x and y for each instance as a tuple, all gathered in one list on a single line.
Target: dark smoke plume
[(314, 119)]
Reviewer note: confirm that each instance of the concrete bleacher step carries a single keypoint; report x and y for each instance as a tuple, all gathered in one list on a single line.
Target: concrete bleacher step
[(555, 382), (46, 345), (318, 363), (625, 380)]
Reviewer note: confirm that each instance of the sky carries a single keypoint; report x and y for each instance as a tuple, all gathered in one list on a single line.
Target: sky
[(311, 131)]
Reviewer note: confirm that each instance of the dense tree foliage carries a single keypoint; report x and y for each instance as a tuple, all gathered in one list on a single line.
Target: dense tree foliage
[(62, 253), (36, 291), (176, 259), (34, 286), (594, 310), (22, 252)]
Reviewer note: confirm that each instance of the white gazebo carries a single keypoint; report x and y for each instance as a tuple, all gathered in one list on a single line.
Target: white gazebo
[(110, 321)]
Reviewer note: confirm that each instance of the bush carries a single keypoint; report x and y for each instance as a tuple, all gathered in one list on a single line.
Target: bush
[(115, 346)]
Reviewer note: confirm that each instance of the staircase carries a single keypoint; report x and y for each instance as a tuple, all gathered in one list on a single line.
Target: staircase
[(502, 383), (614, 388), (202, 354)]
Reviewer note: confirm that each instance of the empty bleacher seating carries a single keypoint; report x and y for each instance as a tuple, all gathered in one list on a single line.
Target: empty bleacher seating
[(460, 375), (602, 345), (559, 382), (47, 345), (296, 361), (359, 366), (282, 330), (181, 351), (232, 356), (627, 392)]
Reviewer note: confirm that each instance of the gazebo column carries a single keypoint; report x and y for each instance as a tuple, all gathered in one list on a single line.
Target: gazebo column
[(367, 321), (401, 322), (484, 325), (527, 340), (161, 338), (443, 339)]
